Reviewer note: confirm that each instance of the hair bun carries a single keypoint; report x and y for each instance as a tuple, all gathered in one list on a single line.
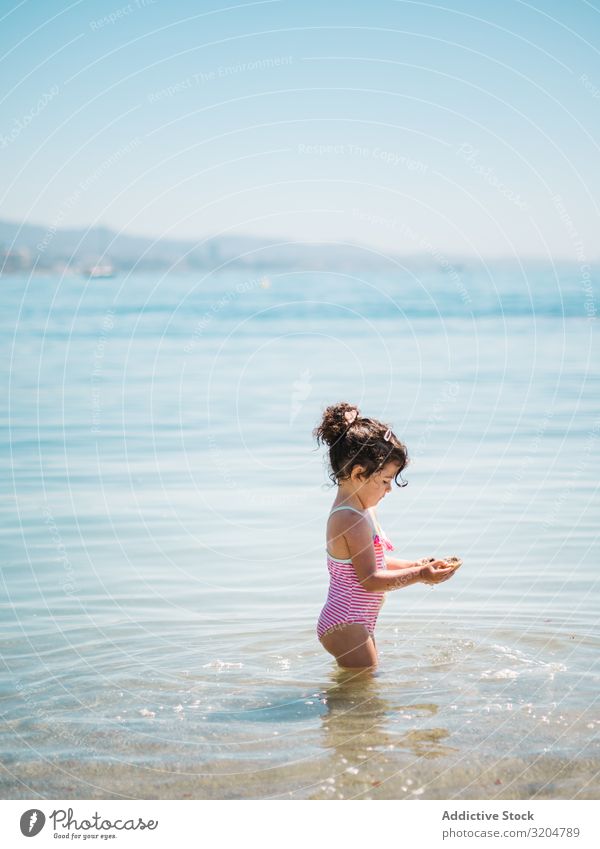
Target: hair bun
[(336, 420)]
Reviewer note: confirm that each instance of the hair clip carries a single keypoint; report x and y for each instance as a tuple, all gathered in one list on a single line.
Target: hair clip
[(350, 416), (387, 435)]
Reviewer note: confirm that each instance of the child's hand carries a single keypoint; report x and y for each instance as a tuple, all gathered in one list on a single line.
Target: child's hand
[(436, 571), (425, 560)]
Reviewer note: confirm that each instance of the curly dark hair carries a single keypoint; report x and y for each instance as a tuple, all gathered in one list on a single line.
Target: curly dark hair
[(356, 440)]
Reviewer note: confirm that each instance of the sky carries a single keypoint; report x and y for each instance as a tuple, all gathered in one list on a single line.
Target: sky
[(459, 128)]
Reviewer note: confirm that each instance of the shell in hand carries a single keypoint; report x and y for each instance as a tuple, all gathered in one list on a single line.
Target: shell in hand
[(452, 561)]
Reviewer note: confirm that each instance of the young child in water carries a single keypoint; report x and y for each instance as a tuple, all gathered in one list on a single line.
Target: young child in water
[(365, 457)]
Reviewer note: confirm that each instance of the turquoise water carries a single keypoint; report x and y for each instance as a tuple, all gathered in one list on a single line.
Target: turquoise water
[(163, 520)]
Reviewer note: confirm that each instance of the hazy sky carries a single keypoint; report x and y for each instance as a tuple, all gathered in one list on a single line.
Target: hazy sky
[(460, 128)]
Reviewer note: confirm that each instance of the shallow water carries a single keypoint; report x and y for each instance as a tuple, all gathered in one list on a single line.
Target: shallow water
[(163, 538)]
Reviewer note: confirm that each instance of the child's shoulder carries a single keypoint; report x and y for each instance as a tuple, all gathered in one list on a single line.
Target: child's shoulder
[(350, 519)]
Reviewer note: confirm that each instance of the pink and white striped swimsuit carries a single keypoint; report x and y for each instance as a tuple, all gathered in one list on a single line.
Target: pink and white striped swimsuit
[(347, 600)]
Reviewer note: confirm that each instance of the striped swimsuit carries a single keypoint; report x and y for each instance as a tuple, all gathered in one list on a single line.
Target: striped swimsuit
[(347, 600)]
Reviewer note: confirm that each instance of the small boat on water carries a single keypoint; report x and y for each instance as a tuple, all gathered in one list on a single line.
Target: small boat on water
[(99, 270)]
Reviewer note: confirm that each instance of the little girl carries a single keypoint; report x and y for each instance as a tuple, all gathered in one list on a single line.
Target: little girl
[(365, 456)]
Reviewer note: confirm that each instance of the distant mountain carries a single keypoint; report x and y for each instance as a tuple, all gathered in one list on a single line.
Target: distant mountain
[(24, 246)]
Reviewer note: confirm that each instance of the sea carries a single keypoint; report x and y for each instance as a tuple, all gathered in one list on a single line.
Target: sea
[(163, 508)]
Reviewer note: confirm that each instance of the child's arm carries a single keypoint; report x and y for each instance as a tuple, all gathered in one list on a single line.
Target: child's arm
[(385, 580), (358, 536), (394, 563)]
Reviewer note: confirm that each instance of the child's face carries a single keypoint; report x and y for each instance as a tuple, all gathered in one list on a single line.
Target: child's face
[(373, 489)]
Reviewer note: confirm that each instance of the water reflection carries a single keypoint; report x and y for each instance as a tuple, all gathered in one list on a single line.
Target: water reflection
[(361, 718)]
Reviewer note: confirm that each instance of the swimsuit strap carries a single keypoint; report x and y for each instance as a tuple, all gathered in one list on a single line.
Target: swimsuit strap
[(347, 507)]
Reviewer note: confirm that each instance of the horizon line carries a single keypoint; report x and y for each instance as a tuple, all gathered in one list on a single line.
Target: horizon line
[(332, 243)]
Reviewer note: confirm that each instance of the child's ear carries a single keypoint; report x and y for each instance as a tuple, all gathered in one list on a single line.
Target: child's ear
[(357, 472)]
